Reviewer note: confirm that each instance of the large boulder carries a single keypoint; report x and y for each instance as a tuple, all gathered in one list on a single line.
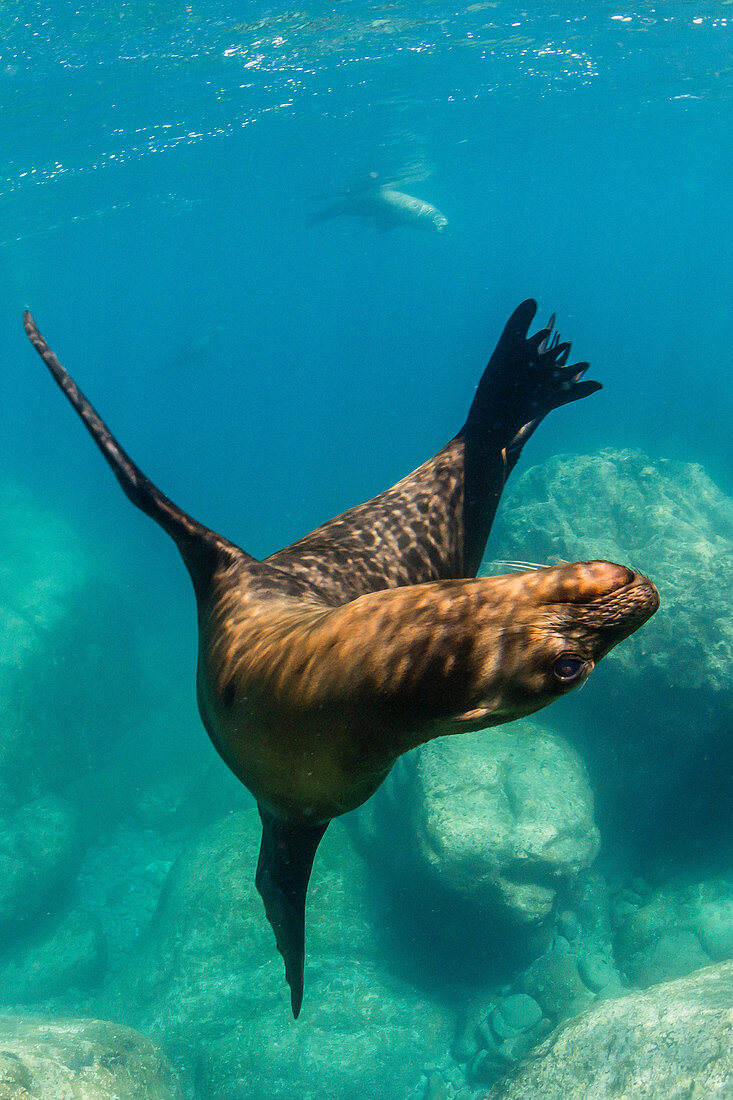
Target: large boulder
[(670, 1041), (665, 518), (61, 958), (56, 1059), (654, 722), (679, 928), (73, 686), (64, 692), (206, 979), (39, 854), (492, 822), (41, 574), (503, 1024)]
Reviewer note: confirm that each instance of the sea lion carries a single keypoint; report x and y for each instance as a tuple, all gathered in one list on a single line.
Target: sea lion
[(319, 666), (195, 354), (386, 208)]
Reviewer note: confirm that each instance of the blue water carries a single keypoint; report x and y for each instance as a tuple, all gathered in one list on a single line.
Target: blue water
[(161, 165)]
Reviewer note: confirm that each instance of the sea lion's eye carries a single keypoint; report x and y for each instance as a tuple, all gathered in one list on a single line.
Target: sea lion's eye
[(568, 667)]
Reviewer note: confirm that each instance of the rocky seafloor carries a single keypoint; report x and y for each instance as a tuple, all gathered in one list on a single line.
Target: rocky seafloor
[(542, 909)]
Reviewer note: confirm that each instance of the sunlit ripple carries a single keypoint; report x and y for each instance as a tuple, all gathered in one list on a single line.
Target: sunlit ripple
[(217, 78)]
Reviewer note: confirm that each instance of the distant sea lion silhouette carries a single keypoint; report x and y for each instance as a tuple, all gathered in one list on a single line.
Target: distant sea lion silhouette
[(196, 353), (319, 666), (386, 208)]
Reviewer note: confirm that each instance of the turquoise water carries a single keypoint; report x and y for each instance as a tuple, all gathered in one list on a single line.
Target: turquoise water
[(164, 169)]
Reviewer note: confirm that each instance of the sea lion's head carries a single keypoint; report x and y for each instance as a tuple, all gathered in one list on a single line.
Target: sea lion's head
[(543, 632)]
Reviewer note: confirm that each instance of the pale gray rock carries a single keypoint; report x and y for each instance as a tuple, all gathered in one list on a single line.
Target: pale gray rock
[(208, 981), (70, 1059), (61, 958), (39, 855), (672, 1042), (555, 982), (66, 679), (561, 981), (653, 723), (41, 574), (596, 972), (517, 1012), (665, 518), (496, 820), (680, 928)]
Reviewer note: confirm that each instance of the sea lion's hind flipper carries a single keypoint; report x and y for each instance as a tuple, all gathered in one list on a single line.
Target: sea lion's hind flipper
[(200, 548), (525, 379), (286, 858)]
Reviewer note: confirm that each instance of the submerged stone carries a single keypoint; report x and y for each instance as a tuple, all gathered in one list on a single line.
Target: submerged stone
[(206, 978), (50, 1059), (494, 819), (70, 954), (653, 723), (520, 1012), (681, 927), (69, 673), (554, 982), (670, 1041), (39, 853)]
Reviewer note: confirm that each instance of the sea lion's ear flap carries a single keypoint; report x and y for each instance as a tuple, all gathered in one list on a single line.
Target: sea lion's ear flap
[(287, 852)]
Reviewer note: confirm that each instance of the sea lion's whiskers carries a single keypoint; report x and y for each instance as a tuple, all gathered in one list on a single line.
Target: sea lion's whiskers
[(526, 565)]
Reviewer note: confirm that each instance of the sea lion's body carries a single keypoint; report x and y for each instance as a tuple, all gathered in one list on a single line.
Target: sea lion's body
[(386, 208), (321, 665)]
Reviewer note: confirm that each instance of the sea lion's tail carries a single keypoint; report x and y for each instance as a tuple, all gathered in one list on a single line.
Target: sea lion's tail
[(200, 548)]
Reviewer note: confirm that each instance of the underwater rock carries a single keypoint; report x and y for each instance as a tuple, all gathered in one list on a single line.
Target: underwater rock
[(680, 928), (670, 1041), (670, 520), (56, 603), (38, 575), (65, 957), (497, 819), (205, 979), (39, 579), (597, 973), (654, 726), (517, 1012), (567, 977), (39, 854), (83, 1059), (554, 981)]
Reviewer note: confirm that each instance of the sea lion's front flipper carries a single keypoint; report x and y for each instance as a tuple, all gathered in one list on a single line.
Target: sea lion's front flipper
[(201, 549), (433, 524), (525, 379), (287, 852)]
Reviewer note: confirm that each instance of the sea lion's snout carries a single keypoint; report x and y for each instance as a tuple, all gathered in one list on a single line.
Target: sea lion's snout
[(609, 597)]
